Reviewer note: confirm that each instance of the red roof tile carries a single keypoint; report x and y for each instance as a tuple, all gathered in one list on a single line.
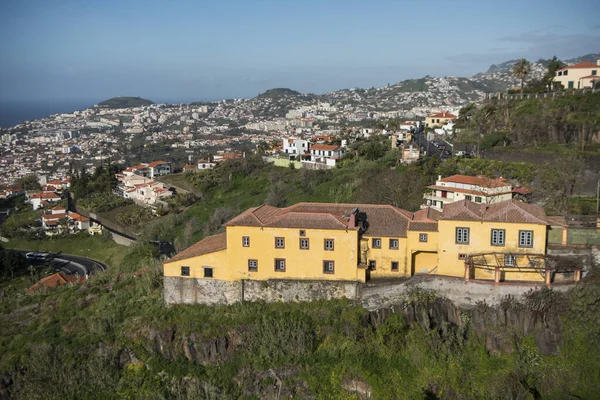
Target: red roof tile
[(326, 147), (583, 64), (54, 280), (443, 114), (207, 245), (477, 180), (505, 211)]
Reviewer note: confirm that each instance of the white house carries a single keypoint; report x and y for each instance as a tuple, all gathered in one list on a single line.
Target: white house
[(148, 193), (74, 222), (205, 164), (578, 76), (295, 146), (40, 199), (460, 187)]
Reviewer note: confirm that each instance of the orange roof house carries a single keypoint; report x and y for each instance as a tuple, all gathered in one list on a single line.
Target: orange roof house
[(53, 281)]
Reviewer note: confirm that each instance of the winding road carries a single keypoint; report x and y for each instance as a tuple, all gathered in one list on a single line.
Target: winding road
[(72, 265)]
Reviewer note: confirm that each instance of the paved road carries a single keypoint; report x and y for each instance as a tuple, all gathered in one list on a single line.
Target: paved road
[(72, 264), (427, 146)]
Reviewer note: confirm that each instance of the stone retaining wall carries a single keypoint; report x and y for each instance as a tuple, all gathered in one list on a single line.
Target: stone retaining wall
[(178, 290)]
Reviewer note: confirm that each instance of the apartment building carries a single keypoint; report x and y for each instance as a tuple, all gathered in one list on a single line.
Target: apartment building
[(478, 189), (295, 146)]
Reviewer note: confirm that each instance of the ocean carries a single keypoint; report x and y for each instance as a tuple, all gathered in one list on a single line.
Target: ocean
[(14, 112)]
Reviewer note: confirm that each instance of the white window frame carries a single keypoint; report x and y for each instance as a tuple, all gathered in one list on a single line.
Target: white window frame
[(463, 235), (394, 244), (510, 260), (245, 241), (307, 244), (280, 243), (328, 267), (525, 238), (498, 237), (423, 237), (329, 245)]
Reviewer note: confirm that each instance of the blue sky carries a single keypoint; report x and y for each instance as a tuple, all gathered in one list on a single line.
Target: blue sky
[(197, 50)]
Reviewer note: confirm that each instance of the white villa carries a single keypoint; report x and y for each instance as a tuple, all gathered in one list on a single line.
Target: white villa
[(462, 187)]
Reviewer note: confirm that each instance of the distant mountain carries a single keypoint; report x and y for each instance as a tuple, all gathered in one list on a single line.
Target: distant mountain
[(278, 93), (124, 102)]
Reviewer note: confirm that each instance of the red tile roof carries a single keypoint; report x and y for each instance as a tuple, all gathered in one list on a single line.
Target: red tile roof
[(44, 195), (207, 245), (477, 180), (54, 280), (584, 64), (590, 76), (505, 211), (156, 163), (381, 220), (443, 114), (326, 147), (78, 217)]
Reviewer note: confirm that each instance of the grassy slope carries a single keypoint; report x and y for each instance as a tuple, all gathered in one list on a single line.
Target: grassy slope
[(78, 333)]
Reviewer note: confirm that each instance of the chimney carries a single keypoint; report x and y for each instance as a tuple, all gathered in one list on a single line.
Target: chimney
[(439, 177), (352, 222), (598, 62)]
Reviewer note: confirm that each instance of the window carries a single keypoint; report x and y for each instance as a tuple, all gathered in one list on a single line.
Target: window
[(462, 235), (468, 197), (462, 256), (376, 243), (246, 241), (253, 265), (304, 243), (477, 199), (372, 265), (571, 84), (509, 260), (302, 232), (279, 243), (394, 265), (329, 244), (565, 73), (423, 237), (280, 265), (498, 236), (594, 72), (525, 238), (394, 244), (185, 271), (328, 267), (208, 272)]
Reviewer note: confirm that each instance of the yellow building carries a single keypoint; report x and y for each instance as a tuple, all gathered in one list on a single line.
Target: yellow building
[(358, 242), (439, 119)]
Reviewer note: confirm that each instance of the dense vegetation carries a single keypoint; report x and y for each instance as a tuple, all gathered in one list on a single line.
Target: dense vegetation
[(124, 102), (564, 120), (114, 337), (278, 93)]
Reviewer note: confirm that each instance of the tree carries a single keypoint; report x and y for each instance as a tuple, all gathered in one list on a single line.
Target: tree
[(521, 69), (557, 181), (554, 65)]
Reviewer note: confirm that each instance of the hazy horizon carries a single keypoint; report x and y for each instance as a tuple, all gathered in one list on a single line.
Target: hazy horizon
[(183, 51)]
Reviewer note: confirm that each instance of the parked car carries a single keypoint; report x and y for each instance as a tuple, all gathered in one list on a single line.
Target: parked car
[(32, 256)]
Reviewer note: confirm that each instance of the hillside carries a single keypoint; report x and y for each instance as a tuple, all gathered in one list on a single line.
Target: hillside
[(279, 93), (113, 337), (124, 102)]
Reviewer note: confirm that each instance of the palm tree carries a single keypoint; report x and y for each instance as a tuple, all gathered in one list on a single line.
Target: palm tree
[(521, 69)]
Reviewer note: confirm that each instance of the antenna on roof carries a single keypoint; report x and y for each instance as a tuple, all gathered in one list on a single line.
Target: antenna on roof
[(353, 211)]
